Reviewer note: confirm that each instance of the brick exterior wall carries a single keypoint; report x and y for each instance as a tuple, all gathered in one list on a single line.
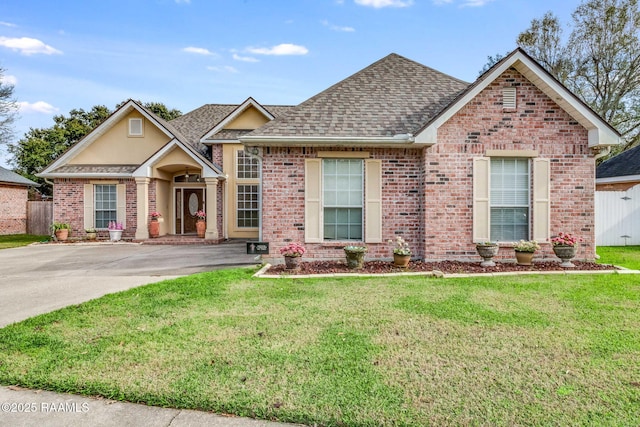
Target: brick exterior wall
[(428, 193), (13, 209), (537, 123), (68, 205), (283, 200)]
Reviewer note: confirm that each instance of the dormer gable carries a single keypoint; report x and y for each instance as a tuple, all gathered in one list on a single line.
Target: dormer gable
[(247, 116)]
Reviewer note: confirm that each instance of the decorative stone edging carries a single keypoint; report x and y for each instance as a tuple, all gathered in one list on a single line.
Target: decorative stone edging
[(263, 274)]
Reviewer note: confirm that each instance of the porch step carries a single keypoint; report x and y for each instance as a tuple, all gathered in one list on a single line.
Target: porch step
[(178, 240)]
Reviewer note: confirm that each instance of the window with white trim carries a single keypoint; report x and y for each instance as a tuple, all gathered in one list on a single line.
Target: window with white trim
[(342, 195), (510, 197), (105, 204), (247, 166), (248, 210)]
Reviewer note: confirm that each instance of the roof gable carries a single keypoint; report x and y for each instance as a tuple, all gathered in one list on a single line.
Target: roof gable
[(600, 132), (129, 108), (385, 101), (234, 120)]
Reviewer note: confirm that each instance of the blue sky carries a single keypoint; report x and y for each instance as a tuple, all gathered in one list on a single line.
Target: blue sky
[(62, 55)]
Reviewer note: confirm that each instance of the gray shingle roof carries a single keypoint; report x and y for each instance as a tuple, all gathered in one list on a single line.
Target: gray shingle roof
[(195, 124), (392, 96), (624, 164), (7, 176)]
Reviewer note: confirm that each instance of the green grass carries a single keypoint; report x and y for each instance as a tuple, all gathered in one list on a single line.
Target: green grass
[(626, 256), (411, 351), (17, 240)]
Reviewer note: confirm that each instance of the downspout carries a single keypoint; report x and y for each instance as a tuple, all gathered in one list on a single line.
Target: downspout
[(602, 153)]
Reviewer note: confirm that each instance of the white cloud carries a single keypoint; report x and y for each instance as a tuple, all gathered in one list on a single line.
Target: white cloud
[(28, 46), (198, 50), (7, 24), (281, 49), (245, 58), (10, 80), (37, 107), (338, 28), (377, 4), (223, 69)]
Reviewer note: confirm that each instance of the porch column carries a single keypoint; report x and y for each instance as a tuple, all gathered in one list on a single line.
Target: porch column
[(142, 208), (212, 209)]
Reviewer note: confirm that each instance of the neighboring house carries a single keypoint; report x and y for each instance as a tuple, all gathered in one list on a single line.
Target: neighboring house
[(395, 149), (14, 195), (618, 200), (135, 163), (401, 149)]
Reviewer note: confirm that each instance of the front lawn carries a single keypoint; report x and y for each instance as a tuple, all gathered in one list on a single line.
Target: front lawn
[(626, 256), (415, 351), (17, 240)]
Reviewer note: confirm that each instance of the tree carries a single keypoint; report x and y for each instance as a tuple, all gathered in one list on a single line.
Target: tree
[(39, 147), (8, 109), (599, 61), (159, 109)]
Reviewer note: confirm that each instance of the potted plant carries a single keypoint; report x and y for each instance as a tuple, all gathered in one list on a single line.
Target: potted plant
[(564, 246), (115, 231), (92, 234), (487, 250), (355, 256), (401, 252), (201, 224), (525, 250), (292, 254), (60, 230), (154, 225)]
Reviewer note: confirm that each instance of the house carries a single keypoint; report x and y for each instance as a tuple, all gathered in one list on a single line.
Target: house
[(135, 163), (14, 190), (401, 149), (397, 148), (618, 199)]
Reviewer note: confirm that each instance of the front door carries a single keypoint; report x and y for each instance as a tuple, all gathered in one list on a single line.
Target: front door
[(188, 202)]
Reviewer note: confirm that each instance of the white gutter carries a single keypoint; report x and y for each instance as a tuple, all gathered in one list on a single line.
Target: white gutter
[(399, 139), (616, 179)]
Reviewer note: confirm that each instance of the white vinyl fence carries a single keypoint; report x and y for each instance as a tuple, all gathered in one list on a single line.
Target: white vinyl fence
[(618, 217)]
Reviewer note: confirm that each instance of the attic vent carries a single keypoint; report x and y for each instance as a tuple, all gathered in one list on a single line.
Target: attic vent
[(509, 98), (135, 127)]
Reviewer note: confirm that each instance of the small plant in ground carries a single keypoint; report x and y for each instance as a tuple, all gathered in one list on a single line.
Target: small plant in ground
[(526, 246), (565, 239), (401, 247), (293, 250)]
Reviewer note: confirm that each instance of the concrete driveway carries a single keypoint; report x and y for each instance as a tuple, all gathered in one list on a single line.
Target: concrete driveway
[(38, 279)]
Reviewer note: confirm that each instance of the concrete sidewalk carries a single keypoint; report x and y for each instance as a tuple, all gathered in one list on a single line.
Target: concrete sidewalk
[(25, 408)]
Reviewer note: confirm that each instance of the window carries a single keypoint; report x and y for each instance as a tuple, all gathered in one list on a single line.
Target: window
[(342, 193), (509, 199), (135, 127), (248, 206), (105, 204), (247, 166)]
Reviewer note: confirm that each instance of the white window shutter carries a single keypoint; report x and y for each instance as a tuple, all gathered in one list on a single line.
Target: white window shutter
[(121, 208), (313, 201), (541, 199), (373, 201), (481, 206), (88, 206)]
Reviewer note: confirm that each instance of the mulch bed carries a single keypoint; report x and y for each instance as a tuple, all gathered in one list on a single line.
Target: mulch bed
[(447, 267)]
